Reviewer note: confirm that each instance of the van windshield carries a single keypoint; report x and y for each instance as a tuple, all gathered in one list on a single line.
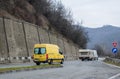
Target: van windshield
[(39, 50)]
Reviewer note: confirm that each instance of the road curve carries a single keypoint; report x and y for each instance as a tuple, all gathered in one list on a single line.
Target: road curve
[(71, 70)]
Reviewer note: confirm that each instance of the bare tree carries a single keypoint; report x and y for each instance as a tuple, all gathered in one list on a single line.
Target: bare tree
[(100, 50)]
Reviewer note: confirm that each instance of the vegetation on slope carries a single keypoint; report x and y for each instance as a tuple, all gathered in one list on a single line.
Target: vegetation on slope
[(45, 12)]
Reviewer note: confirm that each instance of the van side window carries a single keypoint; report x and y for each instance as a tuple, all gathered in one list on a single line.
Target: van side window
[(39, 50)]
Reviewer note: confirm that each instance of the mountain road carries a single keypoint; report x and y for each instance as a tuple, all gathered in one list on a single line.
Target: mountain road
[(70, 70)]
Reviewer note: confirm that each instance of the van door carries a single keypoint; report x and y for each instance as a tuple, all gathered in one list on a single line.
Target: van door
[(40, 54)]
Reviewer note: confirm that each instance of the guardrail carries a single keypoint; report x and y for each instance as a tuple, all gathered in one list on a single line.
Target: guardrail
[(112, 60), (11, 59), (15, 58)]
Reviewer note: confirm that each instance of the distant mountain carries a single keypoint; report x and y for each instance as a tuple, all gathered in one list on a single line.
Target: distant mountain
[(103, 36)]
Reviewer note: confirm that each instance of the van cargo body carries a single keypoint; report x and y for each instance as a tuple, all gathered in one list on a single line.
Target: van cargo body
[(95, 55), (47, 53)]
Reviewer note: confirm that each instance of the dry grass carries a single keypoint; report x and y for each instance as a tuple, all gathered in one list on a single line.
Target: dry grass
[(29, 67)]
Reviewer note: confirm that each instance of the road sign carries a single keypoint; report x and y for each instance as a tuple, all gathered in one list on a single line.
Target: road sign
[(114, 50), (114, 44)]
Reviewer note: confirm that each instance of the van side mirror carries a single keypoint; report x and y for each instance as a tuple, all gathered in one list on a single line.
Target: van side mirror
[(60, 52)]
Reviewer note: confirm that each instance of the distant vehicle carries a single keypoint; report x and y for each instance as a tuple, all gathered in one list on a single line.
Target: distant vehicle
[(47, 53), (87, 54)]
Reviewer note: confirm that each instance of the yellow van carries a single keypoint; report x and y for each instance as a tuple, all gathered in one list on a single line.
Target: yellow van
[(47, 53)]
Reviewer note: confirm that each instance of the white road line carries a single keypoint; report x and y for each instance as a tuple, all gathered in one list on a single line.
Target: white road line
[(113, 77), (111, 65)]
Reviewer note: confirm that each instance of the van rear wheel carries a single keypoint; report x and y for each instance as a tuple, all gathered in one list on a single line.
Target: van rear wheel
[(51, 61), (82, 59)]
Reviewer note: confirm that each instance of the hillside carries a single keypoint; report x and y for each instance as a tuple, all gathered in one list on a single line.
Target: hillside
[(22, 9), (48, 14), (103, 36)]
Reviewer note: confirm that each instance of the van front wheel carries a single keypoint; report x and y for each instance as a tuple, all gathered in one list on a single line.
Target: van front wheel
[(38, 63), (62, 61)]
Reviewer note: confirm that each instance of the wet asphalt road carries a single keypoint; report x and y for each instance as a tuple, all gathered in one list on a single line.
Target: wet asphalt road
[(71, 70)]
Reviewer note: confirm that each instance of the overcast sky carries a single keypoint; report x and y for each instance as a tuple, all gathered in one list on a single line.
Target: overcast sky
[(95, 13)]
